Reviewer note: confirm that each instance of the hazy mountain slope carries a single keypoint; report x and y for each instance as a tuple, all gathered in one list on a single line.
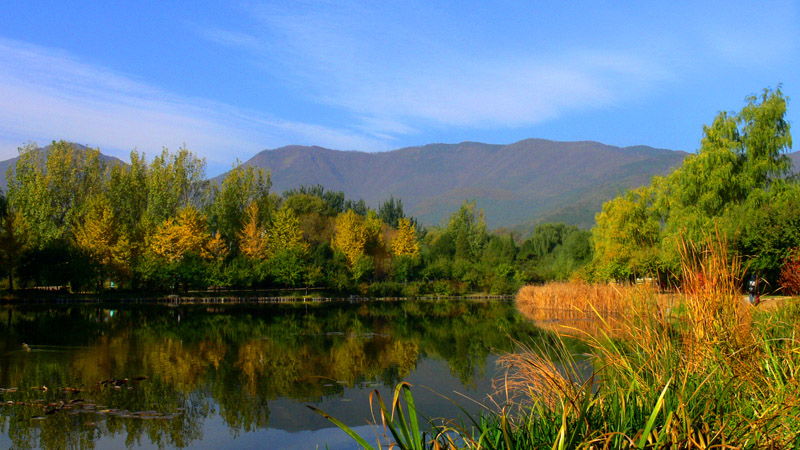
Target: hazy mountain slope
[(513, 183)]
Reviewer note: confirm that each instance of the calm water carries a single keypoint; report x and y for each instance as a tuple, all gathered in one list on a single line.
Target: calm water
[(236, 376)]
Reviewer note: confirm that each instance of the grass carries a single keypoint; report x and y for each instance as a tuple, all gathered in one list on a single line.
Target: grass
[(712, 372)]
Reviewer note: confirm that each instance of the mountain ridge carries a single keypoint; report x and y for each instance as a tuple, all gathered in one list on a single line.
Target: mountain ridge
[(514, 183), (517, 184)]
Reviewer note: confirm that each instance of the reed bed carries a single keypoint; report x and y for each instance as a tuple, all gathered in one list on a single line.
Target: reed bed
[(533, 301), (705, 373)]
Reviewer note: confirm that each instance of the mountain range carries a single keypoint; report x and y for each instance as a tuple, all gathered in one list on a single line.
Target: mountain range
[(529, 181)]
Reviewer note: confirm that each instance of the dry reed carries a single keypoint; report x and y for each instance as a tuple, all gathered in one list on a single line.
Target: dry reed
[(718, 317), (710, 357)]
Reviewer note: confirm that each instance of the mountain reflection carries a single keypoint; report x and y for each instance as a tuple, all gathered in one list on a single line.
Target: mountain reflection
[(168, 369)]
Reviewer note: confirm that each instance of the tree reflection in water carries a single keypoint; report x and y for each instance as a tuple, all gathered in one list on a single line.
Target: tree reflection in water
[(232, 361)]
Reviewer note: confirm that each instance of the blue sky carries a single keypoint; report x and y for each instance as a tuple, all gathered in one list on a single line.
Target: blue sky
[(232, 78)]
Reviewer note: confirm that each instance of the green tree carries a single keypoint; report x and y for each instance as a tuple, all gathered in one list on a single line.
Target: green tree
[(241, 187), (467, 227), (740, 159), (391, 211), (285, 233), (174, 180), (50, 188)]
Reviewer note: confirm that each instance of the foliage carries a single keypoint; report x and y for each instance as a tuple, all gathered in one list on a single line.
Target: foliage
[(734, 183), (404, 242), (285, 233), (50, 189), (253, 238), (349, 237), (161, 225), (241, 188), (391, 212), (790, 273)]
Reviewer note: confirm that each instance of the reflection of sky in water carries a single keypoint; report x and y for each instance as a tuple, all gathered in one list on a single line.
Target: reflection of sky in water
[(451, 340), (293, 426)]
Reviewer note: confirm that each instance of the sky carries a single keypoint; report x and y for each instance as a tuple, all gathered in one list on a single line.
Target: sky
[(231, 78)]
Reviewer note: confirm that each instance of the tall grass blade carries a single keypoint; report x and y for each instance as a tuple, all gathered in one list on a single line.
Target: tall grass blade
[(652, 420), (344, 428)]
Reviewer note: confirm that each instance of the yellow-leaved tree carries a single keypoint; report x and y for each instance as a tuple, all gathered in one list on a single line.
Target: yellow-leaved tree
[(405, 242), (253, 237), (175, 238), (100, 235), (348, 236)]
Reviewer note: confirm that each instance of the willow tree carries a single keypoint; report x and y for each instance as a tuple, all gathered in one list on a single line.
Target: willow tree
[(740, 163)]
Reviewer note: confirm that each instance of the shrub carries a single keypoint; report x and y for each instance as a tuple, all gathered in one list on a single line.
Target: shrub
[(790, 273)]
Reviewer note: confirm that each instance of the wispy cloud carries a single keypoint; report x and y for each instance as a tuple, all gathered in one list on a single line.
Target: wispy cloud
[(48, 94), (358, 58)]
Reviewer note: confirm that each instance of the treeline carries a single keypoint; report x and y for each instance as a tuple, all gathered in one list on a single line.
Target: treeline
[(71, 219), (736, 188)]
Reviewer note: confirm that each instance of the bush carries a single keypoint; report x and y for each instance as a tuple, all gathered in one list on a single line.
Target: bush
[(790, 273), (385, 289)]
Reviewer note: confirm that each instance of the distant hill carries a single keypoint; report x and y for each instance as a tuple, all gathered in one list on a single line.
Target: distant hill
[(530, 180), (795, 157), (5, 165)]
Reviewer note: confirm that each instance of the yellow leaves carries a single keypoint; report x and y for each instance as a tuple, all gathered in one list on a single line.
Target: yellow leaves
[(97, 233), (349, 236), (217, 247), (175, 238), (253, 238), (405, 241)]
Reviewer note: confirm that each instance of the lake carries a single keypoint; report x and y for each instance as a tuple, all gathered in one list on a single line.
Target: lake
[(239, 376)]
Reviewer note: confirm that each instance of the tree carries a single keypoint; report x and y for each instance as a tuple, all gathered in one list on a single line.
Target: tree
[(177, 238), (391, 211), (13, 240), (253, 238), (740, 163), (627, 236), (334, 201), (101, 237), (50, 188), (127, 191), (405, 242), (349, 236), (285, 233), (467, 227), (174, 180), (241, 187)]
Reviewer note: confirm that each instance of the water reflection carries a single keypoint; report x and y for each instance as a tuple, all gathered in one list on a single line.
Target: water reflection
[(186, 376)]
